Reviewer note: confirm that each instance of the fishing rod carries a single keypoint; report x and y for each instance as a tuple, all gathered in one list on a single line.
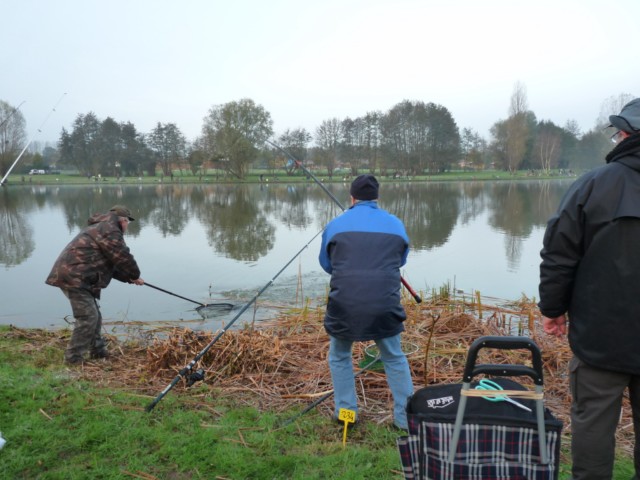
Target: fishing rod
[(2, 182), (298, 163), (199, 375), (327, 395), (11, 114)]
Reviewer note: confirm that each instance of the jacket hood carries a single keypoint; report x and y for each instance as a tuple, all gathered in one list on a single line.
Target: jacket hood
[(103, 217), (629, 147)]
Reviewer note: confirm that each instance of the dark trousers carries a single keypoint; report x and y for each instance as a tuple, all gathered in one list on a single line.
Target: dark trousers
[(595, 413), (86, 336)]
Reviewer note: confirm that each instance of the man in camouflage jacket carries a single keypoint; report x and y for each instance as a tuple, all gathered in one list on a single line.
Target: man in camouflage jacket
[(86, 266)]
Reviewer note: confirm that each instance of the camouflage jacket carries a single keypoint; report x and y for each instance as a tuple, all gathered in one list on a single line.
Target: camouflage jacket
[(95, 256)]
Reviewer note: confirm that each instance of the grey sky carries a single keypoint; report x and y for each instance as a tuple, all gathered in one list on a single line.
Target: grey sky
[(149, 61)]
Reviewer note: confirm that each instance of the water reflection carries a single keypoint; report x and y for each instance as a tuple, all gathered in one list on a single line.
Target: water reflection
[(16, 234), (452, 226), (236, 218)]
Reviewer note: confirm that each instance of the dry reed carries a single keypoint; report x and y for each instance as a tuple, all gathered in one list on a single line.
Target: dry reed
[(282, 362)]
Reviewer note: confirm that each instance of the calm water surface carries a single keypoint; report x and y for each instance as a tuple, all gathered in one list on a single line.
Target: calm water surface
[(223, 243)]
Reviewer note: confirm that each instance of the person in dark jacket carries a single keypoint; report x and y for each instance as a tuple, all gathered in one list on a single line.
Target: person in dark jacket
[(590, 288), (363, 250), (86, 266)]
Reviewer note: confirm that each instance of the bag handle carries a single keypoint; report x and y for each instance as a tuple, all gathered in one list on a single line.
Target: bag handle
[(508, 370)]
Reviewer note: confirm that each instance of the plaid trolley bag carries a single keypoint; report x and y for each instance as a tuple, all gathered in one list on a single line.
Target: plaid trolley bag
[(455, 433)]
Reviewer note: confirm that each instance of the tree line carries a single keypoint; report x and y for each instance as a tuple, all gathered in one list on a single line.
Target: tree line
[(411, 138)]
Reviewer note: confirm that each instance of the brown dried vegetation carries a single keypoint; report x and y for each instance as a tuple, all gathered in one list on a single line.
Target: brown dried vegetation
[(282, 362)]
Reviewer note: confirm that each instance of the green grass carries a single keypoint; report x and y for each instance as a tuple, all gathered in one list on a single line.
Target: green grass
[(273, 177), (59, 426)]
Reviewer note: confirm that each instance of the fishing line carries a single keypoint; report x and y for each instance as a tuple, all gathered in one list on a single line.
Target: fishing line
[(376, 359), (298, 163), (199, 375), (327, 395), (2, 182), (191, 378), (372, 359)]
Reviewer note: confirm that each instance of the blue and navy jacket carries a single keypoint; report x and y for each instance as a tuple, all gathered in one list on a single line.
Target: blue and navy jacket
[(363, 250)]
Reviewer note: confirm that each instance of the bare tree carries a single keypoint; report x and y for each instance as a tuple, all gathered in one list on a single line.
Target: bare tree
[(328, 137), (510, 136), (350, 144), (472, 148), (548, 145), (612, 106), (12, 135), (517, 136), (295, 142), (372, 140), (519, 103)]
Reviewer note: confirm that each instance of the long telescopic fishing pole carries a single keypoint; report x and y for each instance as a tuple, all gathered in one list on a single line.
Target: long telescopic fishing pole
[(189, 367), (298, 163), (30, 140)]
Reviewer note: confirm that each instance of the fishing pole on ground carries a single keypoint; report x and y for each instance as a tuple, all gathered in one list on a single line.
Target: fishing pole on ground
[(199, 374), (299, 164), (324, 397), (2, 182), (408, 348)]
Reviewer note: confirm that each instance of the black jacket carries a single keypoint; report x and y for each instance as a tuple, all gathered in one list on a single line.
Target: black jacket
[(591, 262)]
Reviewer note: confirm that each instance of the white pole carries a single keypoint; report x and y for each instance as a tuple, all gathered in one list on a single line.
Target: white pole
[(30, 140)]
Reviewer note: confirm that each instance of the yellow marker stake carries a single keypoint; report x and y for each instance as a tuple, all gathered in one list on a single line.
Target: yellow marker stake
[(347, 416)]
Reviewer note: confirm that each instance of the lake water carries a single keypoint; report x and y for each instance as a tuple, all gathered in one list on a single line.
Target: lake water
[(224, 243)]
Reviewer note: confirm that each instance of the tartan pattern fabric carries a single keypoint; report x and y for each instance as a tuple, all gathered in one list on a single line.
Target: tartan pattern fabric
[(487, 452), (409, 446)]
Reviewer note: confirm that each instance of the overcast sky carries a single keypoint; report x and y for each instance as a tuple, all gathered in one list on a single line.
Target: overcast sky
[(305, 61)]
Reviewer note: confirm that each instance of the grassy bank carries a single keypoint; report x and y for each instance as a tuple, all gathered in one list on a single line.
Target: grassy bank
[(257, 176), (90, 421), (59, 424)]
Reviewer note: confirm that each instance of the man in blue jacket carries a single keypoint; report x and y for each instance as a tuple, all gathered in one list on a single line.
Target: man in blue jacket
[(590, 288), (363, 250)]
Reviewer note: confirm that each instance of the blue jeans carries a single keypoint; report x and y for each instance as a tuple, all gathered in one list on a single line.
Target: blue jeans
[(396, 368)]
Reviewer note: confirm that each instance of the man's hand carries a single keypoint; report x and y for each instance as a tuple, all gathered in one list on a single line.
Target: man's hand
[(556, 326), (138, 281)]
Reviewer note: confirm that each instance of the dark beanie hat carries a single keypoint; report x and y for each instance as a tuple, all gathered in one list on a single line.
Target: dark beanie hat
[(364, 187)]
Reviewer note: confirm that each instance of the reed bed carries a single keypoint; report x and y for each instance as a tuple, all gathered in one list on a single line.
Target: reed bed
[(282, 363)]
